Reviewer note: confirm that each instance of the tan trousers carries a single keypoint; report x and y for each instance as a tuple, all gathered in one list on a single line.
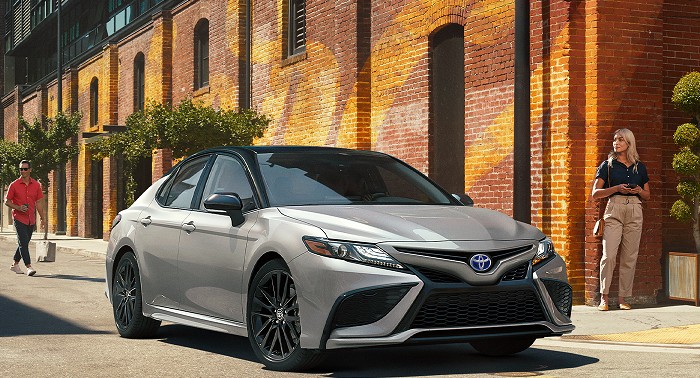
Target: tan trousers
[(623, 230)]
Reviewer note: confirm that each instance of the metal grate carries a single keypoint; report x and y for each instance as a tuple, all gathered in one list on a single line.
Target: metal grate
[(437, 276), (561, 294), (479, 309)]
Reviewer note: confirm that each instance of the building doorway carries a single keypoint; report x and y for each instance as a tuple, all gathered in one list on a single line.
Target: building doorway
[(446, 130)]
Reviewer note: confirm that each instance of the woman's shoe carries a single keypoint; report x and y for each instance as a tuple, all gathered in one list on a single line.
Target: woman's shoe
[(625, 306), (603, 306)]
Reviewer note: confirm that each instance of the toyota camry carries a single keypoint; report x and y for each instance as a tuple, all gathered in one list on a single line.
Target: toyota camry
[(308, 249)]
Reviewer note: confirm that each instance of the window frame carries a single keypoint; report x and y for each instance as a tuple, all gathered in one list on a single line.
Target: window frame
[(139, 82), (296, 45), (201, 54), (94, 102)]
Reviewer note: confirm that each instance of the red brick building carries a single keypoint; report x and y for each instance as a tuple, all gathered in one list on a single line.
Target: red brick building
[(381, 75)]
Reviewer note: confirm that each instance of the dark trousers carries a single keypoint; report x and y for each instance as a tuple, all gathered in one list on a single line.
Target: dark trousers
[(24, 235)]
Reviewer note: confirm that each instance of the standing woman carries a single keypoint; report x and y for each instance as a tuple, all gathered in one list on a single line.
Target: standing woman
[(625, 187)]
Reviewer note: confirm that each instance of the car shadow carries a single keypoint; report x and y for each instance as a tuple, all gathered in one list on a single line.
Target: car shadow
[(208, 341), (70, 277), (401, 361), (21, 320)]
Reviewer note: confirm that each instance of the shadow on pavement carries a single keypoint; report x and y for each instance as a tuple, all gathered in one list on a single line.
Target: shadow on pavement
[(71, 277), (208, 341), (390, 362), (21, 320)]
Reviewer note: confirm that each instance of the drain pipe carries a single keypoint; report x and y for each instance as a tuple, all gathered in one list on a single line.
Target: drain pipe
[(521, 147)]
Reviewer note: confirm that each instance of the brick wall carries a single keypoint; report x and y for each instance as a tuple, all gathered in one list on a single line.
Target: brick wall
[(681, 41), (364, 82)]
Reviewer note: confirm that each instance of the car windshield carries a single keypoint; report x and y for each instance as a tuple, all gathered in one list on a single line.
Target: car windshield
[(333, 178)]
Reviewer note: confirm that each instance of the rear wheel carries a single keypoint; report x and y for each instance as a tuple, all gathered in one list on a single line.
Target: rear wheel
[(502, 347), (127, 301), (274, 325)]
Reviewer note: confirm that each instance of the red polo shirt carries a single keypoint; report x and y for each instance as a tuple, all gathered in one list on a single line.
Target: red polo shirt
[(20, 193)]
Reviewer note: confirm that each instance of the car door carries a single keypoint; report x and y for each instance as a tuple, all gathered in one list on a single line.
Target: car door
[(212, 251), (158, 233)]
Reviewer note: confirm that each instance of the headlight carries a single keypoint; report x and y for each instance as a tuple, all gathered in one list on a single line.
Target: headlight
[(115, 221), (363, 253), (544, 251)]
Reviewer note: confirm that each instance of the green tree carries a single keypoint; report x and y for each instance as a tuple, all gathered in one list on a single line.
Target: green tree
[(47, 148), (185, 129), (686, 162)]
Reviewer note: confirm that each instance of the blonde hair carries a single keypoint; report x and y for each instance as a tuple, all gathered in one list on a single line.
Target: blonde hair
[(632, 155)]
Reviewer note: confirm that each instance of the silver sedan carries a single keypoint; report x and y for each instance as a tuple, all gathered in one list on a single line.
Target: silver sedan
[(306, 249)]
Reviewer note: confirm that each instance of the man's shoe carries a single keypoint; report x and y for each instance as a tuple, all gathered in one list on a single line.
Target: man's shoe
[(603, 306), (31, 272), (625, 306), (15, 268)]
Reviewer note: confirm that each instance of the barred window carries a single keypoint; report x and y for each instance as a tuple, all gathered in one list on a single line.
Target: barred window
[(296, 38)]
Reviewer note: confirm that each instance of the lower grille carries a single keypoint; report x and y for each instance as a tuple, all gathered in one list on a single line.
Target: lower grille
[(479, 309), (561, 293), (368, 306)]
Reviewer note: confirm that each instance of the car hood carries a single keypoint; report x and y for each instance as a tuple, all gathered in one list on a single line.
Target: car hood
[(411, 223)]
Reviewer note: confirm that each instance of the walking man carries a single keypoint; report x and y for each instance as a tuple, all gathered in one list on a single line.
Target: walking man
[(22, 197)]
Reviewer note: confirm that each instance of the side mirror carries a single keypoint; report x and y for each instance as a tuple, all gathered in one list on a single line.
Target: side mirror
[(230, 203), (464, 199)]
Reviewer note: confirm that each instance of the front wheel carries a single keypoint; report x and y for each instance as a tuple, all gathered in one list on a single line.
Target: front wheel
[(127, 301), (274, 325), (502, 347)]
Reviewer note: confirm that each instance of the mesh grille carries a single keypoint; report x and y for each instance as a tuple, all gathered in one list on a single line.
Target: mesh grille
[(368, 306), (437, 276), (518, 273), (479, 309), (561, 294)]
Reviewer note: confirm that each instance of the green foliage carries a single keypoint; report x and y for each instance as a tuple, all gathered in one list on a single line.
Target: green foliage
[(184, 129), (686, 94), (686, 162), (682, 211), (688, 189), (10, 155), (687, 135), (47, 148)]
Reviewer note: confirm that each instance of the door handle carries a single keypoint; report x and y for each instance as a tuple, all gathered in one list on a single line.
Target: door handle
[(189, 227), (146, 221)]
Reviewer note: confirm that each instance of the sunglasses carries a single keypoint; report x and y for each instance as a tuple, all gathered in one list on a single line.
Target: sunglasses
[(24, 169)]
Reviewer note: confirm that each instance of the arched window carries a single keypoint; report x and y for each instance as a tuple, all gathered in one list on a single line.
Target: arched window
[(139, 82), (447, 122), (201, 54), (94, 102)]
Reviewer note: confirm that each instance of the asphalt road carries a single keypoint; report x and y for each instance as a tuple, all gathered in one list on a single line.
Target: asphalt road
[(59, 324)]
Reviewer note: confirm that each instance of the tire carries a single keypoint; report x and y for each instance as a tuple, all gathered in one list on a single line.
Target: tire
[(502, 347), (127, 302), (274, 325)]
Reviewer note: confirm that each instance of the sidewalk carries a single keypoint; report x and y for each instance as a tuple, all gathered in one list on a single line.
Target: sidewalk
[(64, 244), (673, 325)]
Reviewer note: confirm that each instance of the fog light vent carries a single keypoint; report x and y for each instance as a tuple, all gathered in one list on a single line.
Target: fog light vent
[(368, 306), (561, 294)]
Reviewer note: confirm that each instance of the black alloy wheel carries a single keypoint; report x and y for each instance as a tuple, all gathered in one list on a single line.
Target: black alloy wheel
[(127, 301), (274, 325)]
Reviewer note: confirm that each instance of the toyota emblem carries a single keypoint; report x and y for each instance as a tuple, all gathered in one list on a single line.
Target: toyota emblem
[(480, 262)]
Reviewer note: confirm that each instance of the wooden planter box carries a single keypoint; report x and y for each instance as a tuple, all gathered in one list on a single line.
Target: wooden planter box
[(683, 277)]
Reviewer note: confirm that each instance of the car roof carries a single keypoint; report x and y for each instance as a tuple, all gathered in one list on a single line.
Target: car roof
[(288, 149)]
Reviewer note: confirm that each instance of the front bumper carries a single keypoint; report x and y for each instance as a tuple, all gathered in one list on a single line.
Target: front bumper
[(433, 305)]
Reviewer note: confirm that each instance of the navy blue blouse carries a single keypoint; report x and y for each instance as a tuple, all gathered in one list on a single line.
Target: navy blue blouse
[(621, 174)]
